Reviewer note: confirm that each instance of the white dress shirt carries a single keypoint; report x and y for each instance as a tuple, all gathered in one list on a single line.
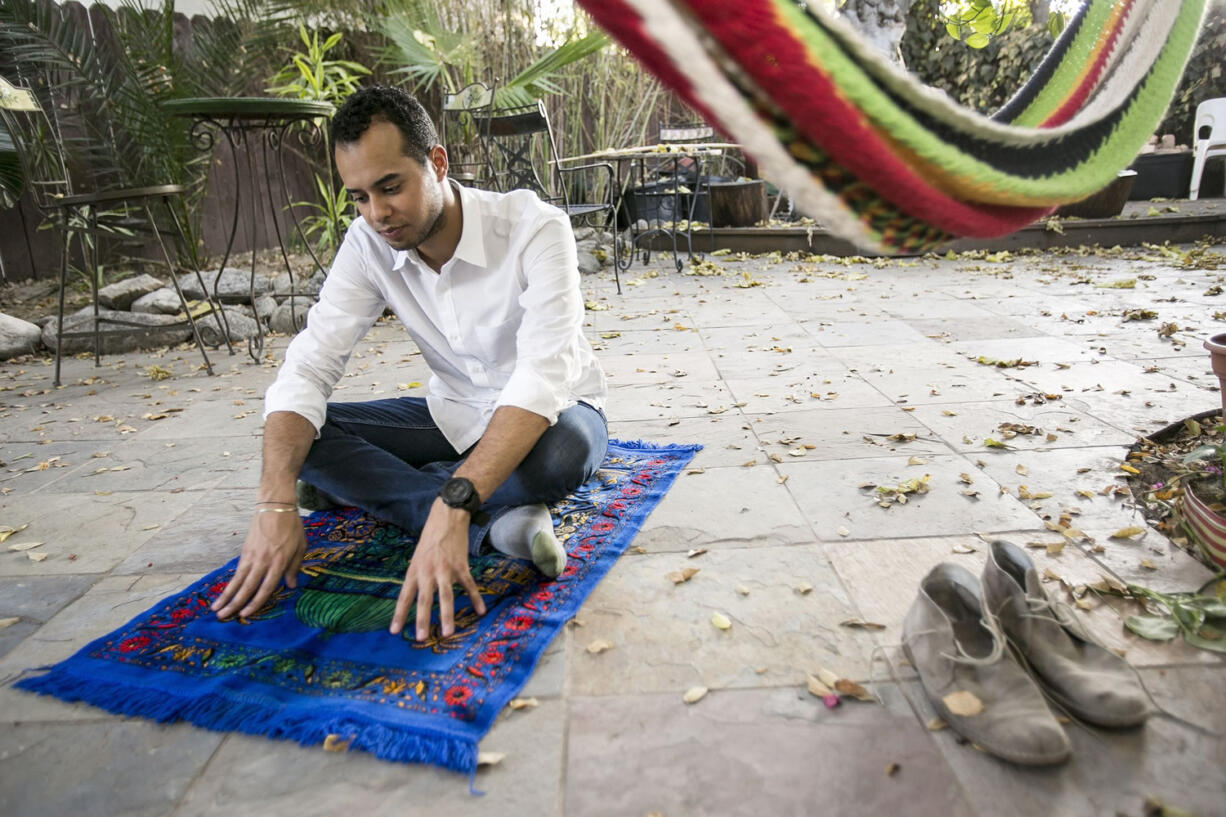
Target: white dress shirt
[(501, 324)]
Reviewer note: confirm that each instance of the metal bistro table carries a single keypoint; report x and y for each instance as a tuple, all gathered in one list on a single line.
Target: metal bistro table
[(263, 125), (651, 189)]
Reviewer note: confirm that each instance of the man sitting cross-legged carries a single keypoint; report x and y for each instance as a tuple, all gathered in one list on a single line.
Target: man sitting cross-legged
[(487, 285)]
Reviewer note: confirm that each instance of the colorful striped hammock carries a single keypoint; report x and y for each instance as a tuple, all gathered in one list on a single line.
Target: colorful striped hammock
[(888, 163)]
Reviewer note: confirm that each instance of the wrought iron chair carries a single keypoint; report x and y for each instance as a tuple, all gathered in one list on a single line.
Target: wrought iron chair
[(521, 140), (464, 132), (104, 211)]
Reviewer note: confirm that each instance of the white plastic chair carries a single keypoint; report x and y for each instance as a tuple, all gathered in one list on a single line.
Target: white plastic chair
[(1210, 114)]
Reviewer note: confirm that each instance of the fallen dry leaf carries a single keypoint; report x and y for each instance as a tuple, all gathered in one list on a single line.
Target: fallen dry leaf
[(891, 769), (817, 688), (1148, 565), (742, 589), (936, 724), (720, 621), (695, 552), (6, 531), (843, 686), (694, 694), (24, 546), (8, 622), (843, 531), (598, 646), (682, 576), (1054, 548), (804, 588), (335, 743), (827, 677), (36, 557), (962, 549), (1021, 469), (861, 624), (1128, 533), (963, 703), (490, 758), (523, 703)]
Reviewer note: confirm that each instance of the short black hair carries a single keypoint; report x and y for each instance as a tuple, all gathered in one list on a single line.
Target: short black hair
[(383, 104)]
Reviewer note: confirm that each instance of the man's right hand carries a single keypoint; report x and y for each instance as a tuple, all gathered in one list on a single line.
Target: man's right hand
[(273, 550)]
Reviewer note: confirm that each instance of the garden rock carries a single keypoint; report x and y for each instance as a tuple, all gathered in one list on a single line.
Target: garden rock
[(588, 263), (583, 233), (164, 301), (289, 318), (302, 284), (154, 331), (241, 327), (18, 337), (233, 287), (121, 294)]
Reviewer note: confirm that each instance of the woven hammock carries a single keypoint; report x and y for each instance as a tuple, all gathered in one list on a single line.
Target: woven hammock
[(888, 163)]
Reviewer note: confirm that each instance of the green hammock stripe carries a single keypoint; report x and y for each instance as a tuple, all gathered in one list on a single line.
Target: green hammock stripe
[(1134, 121), (1067, 76), (1024, 97)]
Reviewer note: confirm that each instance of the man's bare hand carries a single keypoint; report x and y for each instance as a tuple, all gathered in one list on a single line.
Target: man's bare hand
[(273, 551), (440, 560)]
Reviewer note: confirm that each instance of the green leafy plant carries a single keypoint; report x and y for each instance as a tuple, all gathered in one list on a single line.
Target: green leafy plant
[(1200, 617), (329, 218), (311, 75)]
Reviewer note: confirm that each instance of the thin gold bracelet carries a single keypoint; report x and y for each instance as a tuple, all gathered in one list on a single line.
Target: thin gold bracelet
[(277, 510), (273, 502)]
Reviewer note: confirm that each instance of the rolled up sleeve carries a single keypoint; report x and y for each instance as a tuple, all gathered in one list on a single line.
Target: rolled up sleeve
[(548, 362), (349, 303)]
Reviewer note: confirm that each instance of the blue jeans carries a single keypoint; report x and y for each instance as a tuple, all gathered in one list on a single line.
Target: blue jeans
[(388, 458)]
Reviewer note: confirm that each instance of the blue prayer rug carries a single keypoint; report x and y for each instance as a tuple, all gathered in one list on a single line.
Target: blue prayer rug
[(317, 663)]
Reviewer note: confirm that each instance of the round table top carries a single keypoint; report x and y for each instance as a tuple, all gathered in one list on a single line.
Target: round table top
[(246, 107)]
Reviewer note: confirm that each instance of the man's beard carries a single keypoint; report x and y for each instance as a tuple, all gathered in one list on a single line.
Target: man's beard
[(413, 242)]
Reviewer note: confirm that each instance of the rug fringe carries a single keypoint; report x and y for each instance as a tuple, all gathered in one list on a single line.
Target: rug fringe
[(224, 714)]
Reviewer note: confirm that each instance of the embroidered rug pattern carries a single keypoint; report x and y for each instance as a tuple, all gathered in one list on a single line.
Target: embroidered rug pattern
[(317, 662)]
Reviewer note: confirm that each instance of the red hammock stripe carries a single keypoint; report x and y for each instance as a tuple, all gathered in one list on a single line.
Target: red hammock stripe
[(779, 64)]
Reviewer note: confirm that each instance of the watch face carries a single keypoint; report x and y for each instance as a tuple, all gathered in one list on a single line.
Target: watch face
[(456, 491)]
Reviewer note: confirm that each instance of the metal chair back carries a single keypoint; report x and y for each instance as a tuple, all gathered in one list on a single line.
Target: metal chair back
[(464, 133)]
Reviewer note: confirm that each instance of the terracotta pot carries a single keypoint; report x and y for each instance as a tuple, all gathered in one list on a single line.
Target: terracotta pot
[(1208, 525), (1217, 355)]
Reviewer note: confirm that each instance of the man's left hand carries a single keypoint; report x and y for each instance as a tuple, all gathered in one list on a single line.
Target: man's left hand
[(440, 560)]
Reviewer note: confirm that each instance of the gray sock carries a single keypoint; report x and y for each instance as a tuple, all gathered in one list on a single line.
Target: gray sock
[(526, 532)]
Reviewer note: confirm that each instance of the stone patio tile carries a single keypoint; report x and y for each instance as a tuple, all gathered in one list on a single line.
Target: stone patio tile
[(837, 334), (120, 768), (739, 308), (979, 420), (663, 638), (1173, 568), (35, 599), (727, 439), (1029, 308), (203, 538), (253, 775), (684, 397), (212, 419), (1113, 771), (751, 752), (109, 604), (964, 329), (666, 368), (931, 373), (795, 390), (882, 578), (1063, 472), (99, 531), (844, 433), (1195, 369), (30, 466), (190, 464), (660, 341), (831, 498), (1121, 394), (1044, 349), (638, 313), (730, 506), (942, 307)]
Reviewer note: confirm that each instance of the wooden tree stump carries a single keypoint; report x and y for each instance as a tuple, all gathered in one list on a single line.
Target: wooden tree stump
[(738, 204)]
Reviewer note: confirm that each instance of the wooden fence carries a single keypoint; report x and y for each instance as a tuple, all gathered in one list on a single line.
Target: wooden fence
[(26, 251)]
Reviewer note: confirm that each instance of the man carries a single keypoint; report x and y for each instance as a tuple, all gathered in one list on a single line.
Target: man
[(488, 287)]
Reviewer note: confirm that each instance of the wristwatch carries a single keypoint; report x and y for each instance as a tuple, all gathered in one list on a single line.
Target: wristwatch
[(459, 492)]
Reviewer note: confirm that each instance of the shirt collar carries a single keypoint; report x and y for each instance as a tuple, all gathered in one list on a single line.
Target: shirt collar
[(471, 248)]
